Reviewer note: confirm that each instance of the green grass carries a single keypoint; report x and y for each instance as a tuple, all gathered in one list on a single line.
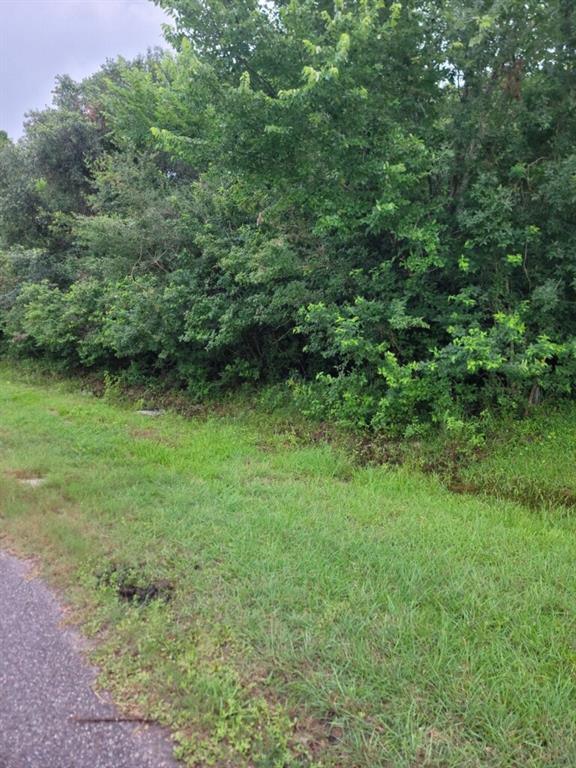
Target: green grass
[(322, 614), (532, 461)]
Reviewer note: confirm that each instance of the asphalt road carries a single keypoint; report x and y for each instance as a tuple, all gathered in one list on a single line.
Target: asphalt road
[(46, 691)]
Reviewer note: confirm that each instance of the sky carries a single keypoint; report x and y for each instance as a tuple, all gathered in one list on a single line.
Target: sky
[(40, 39)]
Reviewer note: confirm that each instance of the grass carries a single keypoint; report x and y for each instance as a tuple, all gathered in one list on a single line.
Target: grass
[(532, 461), (322, 614)]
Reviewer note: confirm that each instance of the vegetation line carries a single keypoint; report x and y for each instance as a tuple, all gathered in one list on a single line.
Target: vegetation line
[(366, 206)]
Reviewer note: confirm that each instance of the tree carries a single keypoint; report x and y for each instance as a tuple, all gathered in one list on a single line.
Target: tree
[(375, 199)]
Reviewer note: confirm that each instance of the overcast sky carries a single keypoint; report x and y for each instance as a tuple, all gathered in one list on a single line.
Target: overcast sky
[(40, 39)]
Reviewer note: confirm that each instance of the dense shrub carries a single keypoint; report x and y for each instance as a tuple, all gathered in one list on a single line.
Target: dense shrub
[(372, 201)]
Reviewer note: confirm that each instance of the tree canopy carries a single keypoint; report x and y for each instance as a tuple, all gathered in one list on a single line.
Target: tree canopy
[(373, 201)]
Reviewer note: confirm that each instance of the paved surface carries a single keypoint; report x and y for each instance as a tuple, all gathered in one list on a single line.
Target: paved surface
[(45, 684)]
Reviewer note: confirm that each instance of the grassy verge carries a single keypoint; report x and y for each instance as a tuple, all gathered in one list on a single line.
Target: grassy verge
[(320, 614), (532, 461)]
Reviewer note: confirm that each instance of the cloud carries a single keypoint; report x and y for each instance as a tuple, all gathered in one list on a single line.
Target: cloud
[(40, 39), (121, 11)]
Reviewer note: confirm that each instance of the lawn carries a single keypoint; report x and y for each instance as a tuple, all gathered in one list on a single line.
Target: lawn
[(311, 612)]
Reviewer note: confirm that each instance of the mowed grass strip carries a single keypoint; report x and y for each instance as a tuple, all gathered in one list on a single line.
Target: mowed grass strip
[(321, 614)]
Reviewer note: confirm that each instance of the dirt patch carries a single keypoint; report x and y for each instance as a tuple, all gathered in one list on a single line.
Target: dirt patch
[(152, 436), (133, 586), (26, 477), (145, 434), (315, 735), (33, 482)]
